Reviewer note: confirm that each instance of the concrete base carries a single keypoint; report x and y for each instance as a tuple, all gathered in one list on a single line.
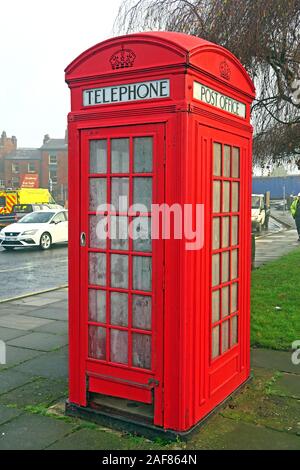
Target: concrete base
[(134, 423)]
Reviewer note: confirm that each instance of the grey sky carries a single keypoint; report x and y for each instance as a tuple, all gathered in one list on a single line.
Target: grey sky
[(38, 39)]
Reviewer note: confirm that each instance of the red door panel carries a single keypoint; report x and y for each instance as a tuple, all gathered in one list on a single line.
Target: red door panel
[(121, 301), (230, 259)]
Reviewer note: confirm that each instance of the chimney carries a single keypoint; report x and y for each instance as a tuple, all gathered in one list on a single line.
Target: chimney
[(14, 141), (3, 138), (46, 138)]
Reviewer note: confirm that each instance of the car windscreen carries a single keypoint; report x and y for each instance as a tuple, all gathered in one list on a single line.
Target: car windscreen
[(255, 202), (2, 201), (37, 218), (22, 208)]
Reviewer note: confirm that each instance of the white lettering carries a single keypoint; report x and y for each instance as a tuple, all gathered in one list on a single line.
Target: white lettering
[(126, 93), (214, 98)]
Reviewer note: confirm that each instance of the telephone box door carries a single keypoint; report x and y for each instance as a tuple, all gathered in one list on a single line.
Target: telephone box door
[(122, 175)]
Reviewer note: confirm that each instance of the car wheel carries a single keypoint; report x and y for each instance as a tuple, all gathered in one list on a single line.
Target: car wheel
[(8, 248), (45, 241)]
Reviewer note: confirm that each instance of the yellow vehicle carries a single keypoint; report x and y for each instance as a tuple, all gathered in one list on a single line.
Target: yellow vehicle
[(10, 197)]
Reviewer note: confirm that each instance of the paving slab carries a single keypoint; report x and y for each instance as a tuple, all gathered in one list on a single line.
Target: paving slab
[(51, 313), (11, 379), (40, 341), (7, 309), (95, 439), (7, 414), (22, 322), (52, 365), (275, 360), (36, 301), (32, 432), (10, 333), (16, 356), (228, 434), (40, 391), (288, 385), (270, 247), (55, 327)]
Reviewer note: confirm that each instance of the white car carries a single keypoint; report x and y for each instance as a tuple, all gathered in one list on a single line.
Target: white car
[(39, 228)]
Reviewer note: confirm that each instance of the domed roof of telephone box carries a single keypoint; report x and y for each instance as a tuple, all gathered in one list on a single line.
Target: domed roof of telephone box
[(159, 49)]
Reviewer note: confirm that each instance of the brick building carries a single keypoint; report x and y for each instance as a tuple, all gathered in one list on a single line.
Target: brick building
[(7, 145), (49, 162), (19, 163), (54, 167)]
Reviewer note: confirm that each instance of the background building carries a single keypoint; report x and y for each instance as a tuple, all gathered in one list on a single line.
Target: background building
[(54, 167), (19, 163), (49, 163), (7, 145)]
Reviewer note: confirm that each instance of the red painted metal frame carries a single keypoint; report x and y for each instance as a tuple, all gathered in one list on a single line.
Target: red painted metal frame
[(139, 382), (190, 383)]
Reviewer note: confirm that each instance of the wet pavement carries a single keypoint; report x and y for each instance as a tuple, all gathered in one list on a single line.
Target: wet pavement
[(27, 270), (265, 414)]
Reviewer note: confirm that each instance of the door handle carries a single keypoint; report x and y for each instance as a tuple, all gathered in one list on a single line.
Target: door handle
[(82, 239)]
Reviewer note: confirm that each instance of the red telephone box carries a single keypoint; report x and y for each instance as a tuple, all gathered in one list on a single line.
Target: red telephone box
[(159, 331)]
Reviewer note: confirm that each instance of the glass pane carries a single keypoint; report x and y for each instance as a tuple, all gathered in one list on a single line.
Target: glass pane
[(141, 234), (97, 305), (216, 196), (98, 227), (234, 197), (234, 330), (119, 271), (142, 154), (119, 155), (141, 312), (120, 194), (216, 233), (215, 342), (234, 230), (235, 162), (226, 162), (141, 350), (225, 266), (225, 232), (226, 196), (142, 273), (217, 149), (142, 193), (215, 270), (97, 342), (119, 232), (98, 156), (97, 193), (97, 269), (119, 309), (215, 306), (119, 346), (234, 297), (225, 301), (225, 336), (234, 264)]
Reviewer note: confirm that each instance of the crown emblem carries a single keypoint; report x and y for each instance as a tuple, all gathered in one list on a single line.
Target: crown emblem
[(225, 71), (122, 59)]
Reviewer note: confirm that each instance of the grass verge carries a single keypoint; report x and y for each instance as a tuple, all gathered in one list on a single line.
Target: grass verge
[(275, 303)]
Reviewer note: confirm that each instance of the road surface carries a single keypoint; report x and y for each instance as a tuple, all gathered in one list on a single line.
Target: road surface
[(27, 270)]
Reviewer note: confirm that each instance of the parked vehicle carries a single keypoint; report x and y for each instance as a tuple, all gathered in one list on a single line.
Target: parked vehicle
[(11, 197), (260, 211), (41, 228), (19, 210)]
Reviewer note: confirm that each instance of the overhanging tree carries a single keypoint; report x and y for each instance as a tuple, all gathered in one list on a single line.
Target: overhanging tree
[(264, 35)]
